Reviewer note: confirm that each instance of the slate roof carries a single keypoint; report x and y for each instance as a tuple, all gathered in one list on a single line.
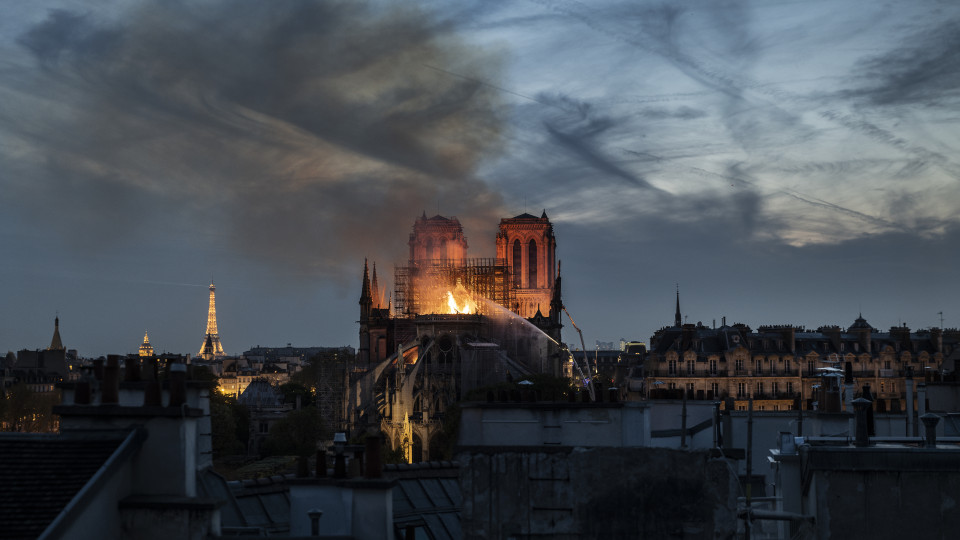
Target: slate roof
[(427, 495), (41, 474), (263, 503), (260, 394)]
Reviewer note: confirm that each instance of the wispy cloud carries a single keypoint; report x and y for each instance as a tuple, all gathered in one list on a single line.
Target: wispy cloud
[(301, 131)]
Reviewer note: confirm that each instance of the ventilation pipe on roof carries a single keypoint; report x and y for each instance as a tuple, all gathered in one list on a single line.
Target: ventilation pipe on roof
[(314, 516)]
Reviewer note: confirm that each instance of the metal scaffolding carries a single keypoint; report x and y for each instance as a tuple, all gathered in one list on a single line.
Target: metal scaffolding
[(483, 277), (331, 382)]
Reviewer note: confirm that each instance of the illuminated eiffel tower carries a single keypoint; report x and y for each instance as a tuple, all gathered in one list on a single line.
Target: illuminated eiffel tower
[(211, 342)]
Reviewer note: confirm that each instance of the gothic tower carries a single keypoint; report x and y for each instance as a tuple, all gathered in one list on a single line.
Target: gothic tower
[(437, 240), (366, 305), (677, 319), (529, 248), (211, 341), (56, 344)]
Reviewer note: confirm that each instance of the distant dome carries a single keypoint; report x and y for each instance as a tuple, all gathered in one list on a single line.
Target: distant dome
[(146, 349)]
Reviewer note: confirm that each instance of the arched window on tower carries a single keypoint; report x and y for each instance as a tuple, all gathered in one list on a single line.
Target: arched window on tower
[(517, 266), (532, 265), (429, 249)]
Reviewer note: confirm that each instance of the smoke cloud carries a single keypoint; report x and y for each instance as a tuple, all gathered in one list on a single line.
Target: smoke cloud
[(302, 133)]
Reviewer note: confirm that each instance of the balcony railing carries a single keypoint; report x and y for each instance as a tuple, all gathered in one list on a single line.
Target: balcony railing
[(700, 373), (695, 395), (685, 373)]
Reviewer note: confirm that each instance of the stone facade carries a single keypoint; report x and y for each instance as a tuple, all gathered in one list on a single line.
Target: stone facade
[(528, 246), (783, 367)]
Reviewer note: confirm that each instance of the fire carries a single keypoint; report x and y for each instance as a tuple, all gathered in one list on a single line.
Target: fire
[(455, 308), (460, 302)]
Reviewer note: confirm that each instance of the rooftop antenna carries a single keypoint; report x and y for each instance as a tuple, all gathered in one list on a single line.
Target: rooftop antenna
[(941, 319)]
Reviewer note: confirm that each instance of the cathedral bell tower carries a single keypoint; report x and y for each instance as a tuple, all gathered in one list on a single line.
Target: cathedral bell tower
[(529, 248), (437, 241)]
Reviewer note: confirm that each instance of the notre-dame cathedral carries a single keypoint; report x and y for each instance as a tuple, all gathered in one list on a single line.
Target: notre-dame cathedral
[(452, 324)]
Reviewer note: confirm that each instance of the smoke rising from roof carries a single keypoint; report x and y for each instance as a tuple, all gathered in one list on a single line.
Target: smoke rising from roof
[(300, 132)]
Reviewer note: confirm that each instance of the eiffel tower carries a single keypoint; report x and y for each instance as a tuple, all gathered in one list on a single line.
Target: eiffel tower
[(211, 342)]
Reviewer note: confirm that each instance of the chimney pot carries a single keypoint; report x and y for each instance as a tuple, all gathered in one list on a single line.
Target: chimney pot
[(314, 516), (860, 407), (930, 422)]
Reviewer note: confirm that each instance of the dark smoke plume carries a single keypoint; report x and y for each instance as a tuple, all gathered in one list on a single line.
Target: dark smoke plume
[(306, 133)]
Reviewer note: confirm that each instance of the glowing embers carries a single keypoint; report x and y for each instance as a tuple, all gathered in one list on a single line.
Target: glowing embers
[(461, 302)]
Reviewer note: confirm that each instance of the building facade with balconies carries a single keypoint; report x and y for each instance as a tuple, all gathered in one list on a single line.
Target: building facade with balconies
[(782, 367)]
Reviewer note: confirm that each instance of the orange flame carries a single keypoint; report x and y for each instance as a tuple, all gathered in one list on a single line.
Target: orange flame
[(456, 308), (466, 306)]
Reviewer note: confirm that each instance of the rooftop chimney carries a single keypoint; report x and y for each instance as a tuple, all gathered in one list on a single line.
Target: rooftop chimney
[(860, 407), (178, 385), (110, 389), (930, 422), (98, 369), (868, 395), (340, 461), (131, 371)]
